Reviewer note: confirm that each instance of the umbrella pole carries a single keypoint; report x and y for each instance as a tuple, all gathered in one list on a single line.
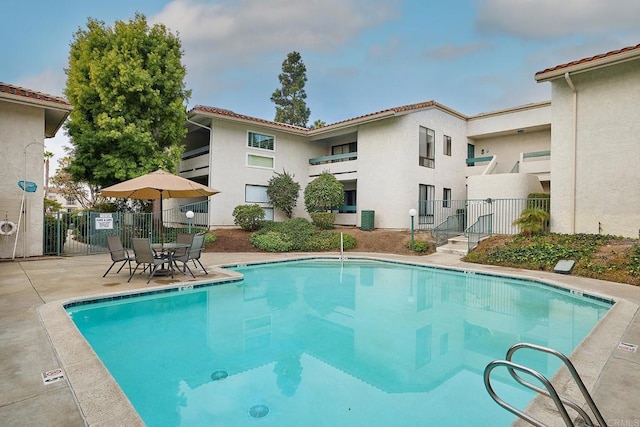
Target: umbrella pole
[(161, 223)]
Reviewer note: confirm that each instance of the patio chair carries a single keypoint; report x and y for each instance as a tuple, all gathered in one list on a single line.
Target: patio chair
[(182, 254), (197, 246), (146, 256), (118, 254)]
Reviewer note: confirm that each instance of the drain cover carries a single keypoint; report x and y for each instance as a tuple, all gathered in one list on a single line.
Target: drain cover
[(259, 411), (219, 375)]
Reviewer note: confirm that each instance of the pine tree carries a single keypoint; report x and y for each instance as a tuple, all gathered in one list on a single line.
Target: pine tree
[(291, 107)]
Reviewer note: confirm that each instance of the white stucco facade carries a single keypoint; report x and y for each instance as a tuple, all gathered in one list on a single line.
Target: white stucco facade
[(595, 128), (26, 119)]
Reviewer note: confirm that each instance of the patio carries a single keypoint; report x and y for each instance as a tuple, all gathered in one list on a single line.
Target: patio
[(29, 286)]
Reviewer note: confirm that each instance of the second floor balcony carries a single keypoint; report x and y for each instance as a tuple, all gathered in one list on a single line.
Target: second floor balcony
[(337, 164)]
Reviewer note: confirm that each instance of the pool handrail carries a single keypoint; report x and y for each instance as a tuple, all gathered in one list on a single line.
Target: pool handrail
[(550, 391)]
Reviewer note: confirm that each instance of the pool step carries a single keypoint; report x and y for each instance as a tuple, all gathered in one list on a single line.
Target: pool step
[(458, 245)]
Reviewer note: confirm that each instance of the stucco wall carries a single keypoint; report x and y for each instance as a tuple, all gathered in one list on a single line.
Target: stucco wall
[(508, 147), (607, 183), (229, 172), (21, 125), (388, 171)]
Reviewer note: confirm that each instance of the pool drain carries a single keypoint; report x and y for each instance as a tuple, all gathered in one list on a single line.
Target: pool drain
[(219, 375), (259, 411)]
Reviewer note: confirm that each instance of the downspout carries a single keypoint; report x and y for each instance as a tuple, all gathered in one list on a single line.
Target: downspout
[(575, 148), (210, 209)]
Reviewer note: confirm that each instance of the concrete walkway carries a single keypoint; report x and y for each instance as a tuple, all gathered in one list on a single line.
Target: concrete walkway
[(37, 336)]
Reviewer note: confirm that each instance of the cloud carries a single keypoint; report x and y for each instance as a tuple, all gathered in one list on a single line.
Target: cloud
[(545, 19), (453, 51), (230, 33), (51, 82)]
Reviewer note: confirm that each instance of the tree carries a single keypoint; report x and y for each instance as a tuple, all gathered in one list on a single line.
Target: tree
[(82, 192), (318, 124), (322, 194), (47, 158), (290, 102), (532, 221), (283, 192), (126, 85)]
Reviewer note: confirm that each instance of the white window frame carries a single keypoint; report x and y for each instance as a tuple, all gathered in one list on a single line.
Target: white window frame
[(259, 148), (255, 193), (260, 167), (447, 145)]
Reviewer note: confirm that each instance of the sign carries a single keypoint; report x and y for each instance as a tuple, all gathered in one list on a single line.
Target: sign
[(104, 222)]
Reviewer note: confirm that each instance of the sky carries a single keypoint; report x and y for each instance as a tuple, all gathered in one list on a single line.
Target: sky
[(361, 56)]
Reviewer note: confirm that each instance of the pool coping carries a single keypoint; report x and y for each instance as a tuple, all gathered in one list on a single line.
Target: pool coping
[(102, 402)]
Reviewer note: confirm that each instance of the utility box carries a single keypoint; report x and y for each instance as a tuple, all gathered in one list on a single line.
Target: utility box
[(367, 220)]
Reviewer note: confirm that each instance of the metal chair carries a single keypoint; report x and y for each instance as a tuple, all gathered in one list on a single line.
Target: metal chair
[(145, 255), (182, 254), (197, 246), (118, 254)]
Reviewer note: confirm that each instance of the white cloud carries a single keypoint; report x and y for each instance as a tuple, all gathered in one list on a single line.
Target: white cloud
[(543, 19), (218, 36)]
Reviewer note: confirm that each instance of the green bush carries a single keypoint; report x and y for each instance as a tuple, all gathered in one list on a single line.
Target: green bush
[(532, 221), (298, 235), (248, 217), (209, 238), (323, 220), (272, 241), (420, 246)]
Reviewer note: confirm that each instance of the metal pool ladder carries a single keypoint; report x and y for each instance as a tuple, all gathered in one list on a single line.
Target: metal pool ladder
[(548, 390)]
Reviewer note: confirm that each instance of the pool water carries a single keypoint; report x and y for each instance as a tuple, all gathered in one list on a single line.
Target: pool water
[(325, 343)]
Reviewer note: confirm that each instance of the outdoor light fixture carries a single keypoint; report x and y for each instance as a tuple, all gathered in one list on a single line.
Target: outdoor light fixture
[(190, 216), (412, 213)]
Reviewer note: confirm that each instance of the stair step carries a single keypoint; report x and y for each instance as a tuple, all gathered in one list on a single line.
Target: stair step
[(453, 249)]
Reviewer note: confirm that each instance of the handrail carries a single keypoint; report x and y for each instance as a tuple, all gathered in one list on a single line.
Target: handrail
[(472, 160), (454, 224), (572, 371), (335, 157), (514, 366), (481, 228), (550, 391), (536, 154)]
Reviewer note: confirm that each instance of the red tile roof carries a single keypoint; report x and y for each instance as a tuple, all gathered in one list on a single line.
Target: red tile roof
[(28, 93), (590, 59), (389, 111)]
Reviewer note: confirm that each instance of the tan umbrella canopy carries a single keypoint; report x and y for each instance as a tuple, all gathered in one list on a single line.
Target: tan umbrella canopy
[(158, 185)]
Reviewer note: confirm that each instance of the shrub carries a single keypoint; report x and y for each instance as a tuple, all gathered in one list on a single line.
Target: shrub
[(532, 221), (420, 246), (328, 240), (272, 241), (323, 193), (248, 217), (323, 220), (209, 238), (283, 192), (54, 230)]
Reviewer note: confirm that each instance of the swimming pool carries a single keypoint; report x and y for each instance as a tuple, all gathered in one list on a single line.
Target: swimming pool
[(319, 342)]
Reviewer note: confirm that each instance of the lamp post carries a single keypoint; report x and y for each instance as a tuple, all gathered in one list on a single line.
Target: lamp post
[(189, 215), (412, 213)]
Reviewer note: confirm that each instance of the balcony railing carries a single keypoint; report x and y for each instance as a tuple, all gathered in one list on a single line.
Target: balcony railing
[(332, 159)]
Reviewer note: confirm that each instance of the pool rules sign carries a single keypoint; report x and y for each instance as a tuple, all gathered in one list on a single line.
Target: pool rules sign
[(104, 222)]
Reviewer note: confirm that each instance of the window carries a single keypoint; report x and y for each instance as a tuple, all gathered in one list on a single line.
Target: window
[(351, 147), (425, 147), (446, 197), (447, 145), (71, 200), (425, 204), (260, 161), (258, 140), (256, 194)]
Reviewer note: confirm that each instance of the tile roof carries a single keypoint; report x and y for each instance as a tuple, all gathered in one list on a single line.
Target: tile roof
[(384, 113), (585, 61), (28, 93)]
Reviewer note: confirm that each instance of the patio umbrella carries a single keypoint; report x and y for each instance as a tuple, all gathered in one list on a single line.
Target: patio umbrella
[(158, 185)]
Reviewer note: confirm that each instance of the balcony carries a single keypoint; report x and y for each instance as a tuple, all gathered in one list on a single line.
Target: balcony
[(195, 163), (536, 163), (486, 166), (345, 165)]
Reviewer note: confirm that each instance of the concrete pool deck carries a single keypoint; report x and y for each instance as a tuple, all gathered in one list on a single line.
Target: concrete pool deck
[(37, 336)]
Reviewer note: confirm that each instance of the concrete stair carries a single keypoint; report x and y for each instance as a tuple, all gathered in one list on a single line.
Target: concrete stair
[(458, 245)]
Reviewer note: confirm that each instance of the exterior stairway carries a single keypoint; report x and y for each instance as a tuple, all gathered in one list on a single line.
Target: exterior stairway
[(458, 245)]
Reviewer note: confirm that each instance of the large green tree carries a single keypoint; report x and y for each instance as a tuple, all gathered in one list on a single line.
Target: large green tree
[(290, 102), (126, 85)]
